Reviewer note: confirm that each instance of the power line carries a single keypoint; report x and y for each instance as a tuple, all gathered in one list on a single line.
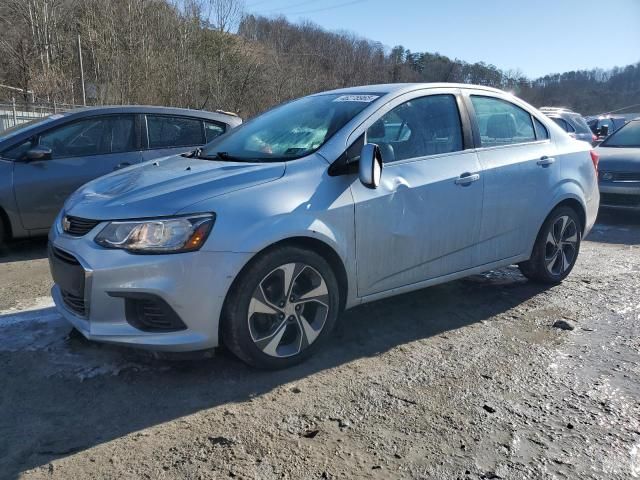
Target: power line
[(331, 7), (294, 5), (622, 109), (260, 2)]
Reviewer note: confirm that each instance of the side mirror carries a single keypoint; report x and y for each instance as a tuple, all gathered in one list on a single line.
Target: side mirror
[(37, 153), (604, 130), (370, 169)]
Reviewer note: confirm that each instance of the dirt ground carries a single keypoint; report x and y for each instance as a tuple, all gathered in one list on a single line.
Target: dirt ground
[(468, 380)]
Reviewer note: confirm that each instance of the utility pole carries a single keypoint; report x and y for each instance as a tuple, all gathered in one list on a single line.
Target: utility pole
[(84, 96)]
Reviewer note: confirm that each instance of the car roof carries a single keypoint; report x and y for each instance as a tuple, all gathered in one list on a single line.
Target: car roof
[(219, 116), (84, 112), (385, 88)]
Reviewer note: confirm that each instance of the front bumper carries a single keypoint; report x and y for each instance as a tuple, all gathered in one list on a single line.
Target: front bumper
[(193, 284), (622, 195)]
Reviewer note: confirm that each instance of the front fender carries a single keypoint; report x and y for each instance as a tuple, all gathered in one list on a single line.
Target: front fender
[(306, 203)]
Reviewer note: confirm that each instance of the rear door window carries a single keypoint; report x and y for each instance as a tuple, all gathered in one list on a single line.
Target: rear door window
[(166, 131), (501, 122)]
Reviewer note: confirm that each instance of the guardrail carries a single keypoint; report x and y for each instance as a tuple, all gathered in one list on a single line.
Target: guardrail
[(16, 113)]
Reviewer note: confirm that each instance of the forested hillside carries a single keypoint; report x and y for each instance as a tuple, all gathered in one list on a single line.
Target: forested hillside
[(208, 54)]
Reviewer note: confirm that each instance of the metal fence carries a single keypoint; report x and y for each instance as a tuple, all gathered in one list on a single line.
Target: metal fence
[(14, 113)]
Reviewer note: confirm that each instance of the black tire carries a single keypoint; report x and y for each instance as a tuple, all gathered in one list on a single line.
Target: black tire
[(543, 251), (236, 318), (3, 233)]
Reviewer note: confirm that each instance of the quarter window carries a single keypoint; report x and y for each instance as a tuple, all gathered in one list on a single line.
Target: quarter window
[(166, 131), (418, 128), (501, 122), (16, 152)]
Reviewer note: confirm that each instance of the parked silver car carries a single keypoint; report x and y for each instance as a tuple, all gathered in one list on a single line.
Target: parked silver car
[(571, 122), (620, 168), (261, 238), (46, 160)]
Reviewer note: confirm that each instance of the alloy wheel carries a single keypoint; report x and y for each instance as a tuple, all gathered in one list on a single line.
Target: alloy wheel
[(288, 310), (561, 246)]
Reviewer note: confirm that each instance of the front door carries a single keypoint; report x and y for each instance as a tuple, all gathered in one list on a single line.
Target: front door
[(423, 221), (80, 151)]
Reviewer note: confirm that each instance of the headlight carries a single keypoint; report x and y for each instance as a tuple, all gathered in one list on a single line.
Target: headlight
[(161, 235)]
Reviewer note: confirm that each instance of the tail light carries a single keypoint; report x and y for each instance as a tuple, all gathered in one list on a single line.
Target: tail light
[(595, 158)]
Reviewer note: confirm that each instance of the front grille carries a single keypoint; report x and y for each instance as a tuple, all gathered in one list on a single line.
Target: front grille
[(78, 226), (620, 176), (620, 199), (69, 275), (74, 303)]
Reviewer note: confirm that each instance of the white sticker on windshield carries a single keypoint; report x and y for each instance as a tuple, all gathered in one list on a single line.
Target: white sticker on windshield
[(356, 98)]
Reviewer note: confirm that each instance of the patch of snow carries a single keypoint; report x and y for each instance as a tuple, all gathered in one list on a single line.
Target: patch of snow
[(39, 309), (37, 326)]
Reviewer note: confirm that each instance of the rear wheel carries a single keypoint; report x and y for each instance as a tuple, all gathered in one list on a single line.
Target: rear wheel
[(556, 249), (3, 232), (281, 308)]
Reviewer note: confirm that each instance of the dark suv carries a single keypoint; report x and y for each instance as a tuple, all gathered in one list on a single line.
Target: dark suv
[(43, 162), (605, 125), (571, 122)]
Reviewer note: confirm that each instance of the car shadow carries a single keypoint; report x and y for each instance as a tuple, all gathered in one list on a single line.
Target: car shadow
[(23, 250), (616, 227), (48, 410)]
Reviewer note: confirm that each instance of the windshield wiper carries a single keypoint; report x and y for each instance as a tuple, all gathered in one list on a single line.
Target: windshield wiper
[(193, 153), (225, 157), (230, 158)]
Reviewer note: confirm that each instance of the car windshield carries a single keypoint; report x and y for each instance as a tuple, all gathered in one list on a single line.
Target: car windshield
[(290, 131), (627, 136), (22, 127)]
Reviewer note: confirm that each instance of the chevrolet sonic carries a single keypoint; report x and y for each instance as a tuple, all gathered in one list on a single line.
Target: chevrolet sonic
[(259, 239)]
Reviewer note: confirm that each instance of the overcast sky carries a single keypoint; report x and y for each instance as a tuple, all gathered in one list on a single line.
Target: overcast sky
[(535, 36)]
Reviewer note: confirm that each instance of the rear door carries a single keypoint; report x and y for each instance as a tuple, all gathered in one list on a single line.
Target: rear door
[(80, 151), (423, 220), (519, 169), (171, 135)]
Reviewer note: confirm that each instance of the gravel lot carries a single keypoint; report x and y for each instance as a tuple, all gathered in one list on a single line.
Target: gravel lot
[(464, 380)]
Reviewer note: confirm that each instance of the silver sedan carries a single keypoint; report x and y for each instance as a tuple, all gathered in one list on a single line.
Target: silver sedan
[(261, 238)]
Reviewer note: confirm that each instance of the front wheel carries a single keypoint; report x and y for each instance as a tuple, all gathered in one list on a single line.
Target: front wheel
[(281, 308), (556, 249)]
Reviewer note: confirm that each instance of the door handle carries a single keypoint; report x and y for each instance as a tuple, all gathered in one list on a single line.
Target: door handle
[(545, 161), (122, 165), (467, 179)]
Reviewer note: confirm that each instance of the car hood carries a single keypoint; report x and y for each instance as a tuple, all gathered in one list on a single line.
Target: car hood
[(165, 187), (619, 159)]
